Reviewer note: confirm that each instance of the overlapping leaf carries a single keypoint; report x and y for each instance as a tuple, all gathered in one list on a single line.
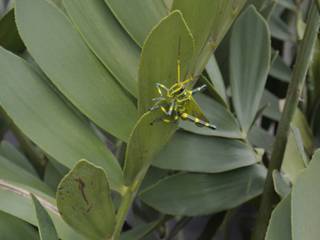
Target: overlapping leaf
[(190, 152), (138, 17), (61, 53), (43, 117), (202, 194), (107, 39)]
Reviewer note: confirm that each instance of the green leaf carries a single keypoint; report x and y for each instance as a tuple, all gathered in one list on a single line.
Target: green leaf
[(138, 17), (190, 152), (216, 78), (281, 70), (281, 183), (85, 203), (9, 36), (53, 174), (8, 151), (271, 103), (61, 53), (16, 201), (146, 141), (47, 120), (279, 29), (140, 232), (249, 69), (299, 121), (217, 114), (107, 39), (280, 223), (208, 20), (159, 57), (191, 194), (14, 173), (15, 229), (305, 202), (260, 138), (295, 159), (46, 227)]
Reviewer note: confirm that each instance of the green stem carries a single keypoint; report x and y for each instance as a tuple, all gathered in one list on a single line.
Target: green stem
[(269, 197), (125, 205)]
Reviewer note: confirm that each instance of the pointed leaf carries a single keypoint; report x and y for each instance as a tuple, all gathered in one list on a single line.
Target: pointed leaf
[(208, 20), (61, 53), (145, 142), (106, 37), (190, 152), (216, 78), (85, 203), (137, 17), (191, 194), (249, 69), (46, 227), (159, 57), (47, 120)]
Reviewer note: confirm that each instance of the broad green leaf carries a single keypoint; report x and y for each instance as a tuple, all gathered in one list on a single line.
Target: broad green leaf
[(46, 227), (61, 53), (190, 152), (107, 39), (217, 114), (12, 228), (216, 78), (280, 70), (8, 151), (85, 203), (306, 202), (138, 17), (14, 173), (169, 39), (249, 69), (9, 36), (208, 20), (47, 120), (146, 141), (16, 201), (295, 159), (190, 194), (280, 223)]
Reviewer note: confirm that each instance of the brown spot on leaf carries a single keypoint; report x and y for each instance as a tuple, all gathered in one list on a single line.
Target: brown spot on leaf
[(81, 186)]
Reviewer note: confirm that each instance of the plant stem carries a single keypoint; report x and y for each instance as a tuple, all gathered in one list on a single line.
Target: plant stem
[(124, 207), (269, 197)]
